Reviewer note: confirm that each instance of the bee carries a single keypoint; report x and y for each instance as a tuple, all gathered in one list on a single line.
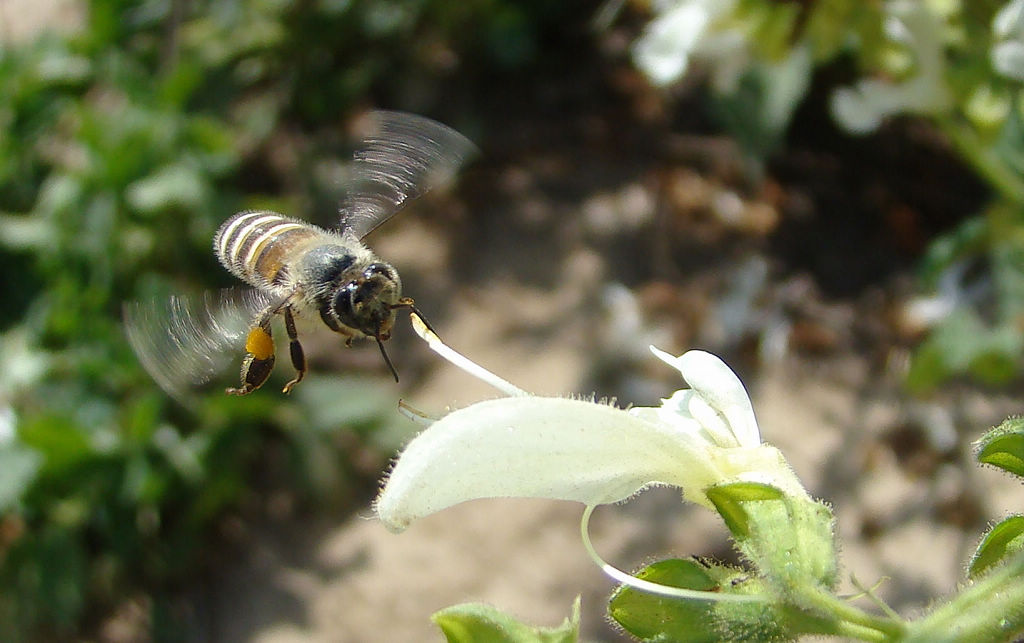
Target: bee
[(298, 270)]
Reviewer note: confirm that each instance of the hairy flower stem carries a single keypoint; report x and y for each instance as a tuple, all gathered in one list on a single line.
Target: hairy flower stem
[(991, 609), (852, 621)]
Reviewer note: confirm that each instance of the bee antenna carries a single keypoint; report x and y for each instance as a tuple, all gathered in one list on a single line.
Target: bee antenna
[(387, 360)]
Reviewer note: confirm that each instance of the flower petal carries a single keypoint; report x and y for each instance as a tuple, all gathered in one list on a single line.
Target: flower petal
[(541, 448), (716, 385), (1009, 21), (663, 52), (1008, 59), (689, 413)]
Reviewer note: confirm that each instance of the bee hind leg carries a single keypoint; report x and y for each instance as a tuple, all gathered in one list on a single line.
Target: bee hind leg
[(295, 348), (259, 358)]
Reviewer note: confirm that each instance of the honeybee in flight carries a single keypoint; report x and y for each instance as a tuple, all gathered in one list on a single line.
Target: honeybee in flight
[(298, 270)]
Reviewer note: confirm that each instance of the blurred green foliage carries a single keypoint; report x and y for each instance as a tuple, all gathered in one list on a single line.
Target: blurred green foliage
[(124, 145)]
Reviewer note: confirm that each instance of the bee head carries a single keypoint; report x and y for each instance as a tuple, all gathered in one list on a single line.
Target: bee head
[(367, 303)]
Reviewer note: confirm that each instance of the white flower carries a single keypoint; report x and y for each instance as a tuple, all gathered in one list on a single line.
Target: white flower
[(8, 425), (590, 452), (1009, 21), (685, 29), (861, 109), (1008, 52)]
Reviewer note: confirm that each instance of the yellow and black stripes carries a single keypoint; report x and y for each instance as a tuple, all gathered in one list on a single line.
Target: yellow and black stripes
[(253, 245)]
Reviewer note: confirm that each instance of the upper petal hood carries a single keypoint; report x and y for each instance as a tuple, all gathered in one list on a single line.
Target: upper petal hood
[(716, 399)]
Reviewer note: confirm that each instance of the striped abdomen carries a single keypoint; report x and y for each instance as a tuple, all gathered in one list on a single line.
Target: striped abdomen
[(254, 246)]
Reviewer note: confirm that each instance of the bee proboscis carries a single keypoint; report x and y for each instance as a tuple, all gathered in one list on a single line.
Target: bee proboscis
[(298, 270)]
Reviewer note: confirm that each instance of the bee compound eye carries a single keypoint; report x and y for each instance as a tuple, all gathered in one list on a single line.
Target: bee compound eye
[(343, 304), (379, 269)]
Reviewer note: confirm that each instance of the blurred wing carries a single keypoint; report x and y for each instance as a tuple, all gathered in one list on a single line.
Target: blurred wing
[(402, 157), (183, 342)]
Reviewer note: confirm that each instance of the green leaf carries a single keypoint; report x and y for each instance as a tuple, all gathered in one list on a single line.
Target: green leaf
[(963, 343), (175, 185), (60, 441), (651, 617), (967, 239), (1003, 446), (828, 26), (928, 367), (1002, 540), (477, 622), (655, 618), (18, 467), (56, 66), (773, 25), (50, 570)]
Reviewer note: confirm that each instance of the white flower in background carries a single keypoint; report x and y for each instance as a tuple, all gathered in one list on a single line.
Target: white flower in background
[(8, 425), (590, 452), (957, 288), (1008, 52), (685, 29), (912, 23), (715, 33)]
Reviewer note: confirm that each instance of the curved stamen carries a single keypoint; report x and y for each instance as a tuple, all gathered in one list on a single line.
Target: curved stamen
[(434, 342), (654, 588)]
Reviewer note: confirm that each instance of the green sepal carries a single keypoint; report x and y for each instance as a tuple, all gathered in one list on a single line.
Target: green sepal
[(655, 618), (650, 617), (1003, 446), (789, 539), (731, 501), (1002, 541), (474, 622)]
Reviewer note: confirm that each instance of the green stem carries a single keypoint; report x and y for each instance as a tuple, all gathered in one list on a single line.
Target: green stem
[(859, 633), (1002, 179), (853, 622), (992, 609)]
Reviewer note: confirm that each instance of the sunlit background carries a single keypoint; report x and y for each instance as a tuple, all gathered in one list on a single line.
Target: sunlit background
[(826, 194)]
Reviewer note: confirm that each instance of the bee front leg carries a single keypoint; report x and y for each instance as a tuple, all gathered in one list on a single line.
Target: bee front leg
[(259, 358), (298, 357)]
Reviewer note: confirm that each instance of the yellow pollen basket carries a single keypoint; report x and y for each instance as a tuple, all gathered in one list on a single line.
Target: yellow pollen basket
[(259, 343)]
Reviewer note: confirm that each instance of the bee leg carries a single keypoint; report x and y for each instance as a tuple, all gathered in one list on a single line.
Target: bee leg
[(298, 357), (259, 358)]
